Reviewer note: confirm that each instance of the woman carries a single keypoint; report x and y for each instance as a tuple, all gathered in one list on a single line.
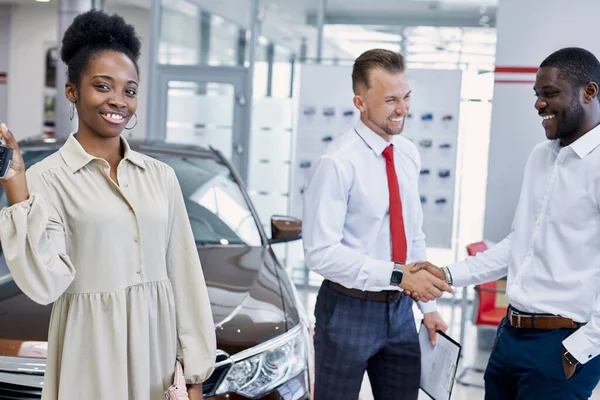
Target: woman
[(102, 231)]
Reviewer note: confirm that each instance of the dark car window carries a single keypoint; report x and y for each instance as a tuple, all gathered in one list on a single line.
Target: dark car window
[(218, 211)]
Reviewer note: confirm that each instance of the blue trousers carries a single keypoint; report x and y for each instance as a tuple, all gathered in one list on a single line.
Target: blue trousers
[(353, 336), (526, 364)]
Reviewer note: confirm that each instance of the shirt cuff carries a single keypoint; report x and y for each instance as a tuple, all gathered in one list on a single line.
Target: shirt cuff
[(581, 347), (380, 273), (461, 274), (426, 308)]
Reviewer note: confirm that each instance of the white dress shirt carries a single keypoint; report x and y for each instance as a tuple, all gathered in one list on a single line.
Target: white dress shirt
[(346, 222), (552, 255)]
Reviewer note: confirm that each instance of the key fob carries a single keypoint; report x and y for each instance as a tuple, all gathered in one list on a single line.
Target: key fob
[(6, 154)]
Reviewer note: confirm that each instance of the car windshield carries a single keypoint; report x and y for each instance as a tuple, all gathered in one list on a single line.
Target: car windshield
[(218, 212)]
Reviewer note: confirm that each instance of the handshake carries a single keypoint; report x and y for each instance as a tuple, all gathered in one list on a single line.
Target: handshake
[(424, 281)]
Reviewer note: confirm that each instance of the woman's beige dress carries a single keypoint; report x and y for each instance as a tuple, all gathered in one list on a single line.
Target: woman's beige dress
[(121, 266)]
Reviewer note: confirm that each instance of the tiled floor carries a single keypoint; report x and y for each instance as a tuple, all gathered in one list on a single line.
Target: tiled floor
[(472, 356)]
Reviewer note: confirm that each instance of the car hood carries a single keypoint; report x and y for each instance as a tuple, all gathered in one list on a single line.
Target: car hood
[(251, 298), (249, 294)]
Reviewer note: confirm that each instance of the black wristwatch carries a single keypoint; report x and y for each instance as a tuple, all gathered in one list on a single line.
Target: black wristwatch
[(397, 274), (569, 357)]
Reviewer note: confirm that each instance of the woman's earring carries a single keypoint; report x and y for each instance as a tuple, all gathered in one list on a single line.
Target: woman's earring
[(72, 111), (134, 125)]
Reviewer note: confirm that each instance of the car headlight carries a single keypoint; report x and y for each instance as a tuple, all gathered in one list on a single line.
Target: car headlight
[(261, 369)]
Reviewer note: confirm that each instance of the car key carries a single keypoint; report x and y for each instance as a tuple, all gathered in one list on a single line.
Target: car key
[(6, 154)]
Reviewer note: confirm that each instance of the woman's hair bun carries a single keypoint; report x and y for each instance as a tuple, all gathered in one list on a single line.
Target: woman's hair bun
[(99, 31)]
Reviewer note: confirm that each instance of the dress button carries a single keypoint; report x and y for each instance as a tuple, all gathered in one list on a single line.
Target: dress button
[(139, 272), (136, 240), (125, 185)]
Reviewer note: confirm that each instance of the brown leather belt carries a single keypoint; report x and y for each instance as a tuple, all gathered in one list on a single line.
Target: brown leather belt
[(518, 319), (385, 296)]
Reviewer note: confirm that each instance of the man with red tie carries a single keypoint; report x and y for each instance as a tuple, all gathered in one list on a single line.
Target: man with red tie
[(362, 223)]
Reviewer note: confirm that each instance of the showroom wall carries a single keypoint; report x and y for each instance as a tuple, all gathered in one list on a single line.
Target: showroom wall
[(523, 43)]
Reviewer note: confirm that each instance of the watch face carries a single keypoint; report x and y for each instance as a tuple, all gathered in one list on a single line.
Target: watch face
[(397, 277), (570, 358)]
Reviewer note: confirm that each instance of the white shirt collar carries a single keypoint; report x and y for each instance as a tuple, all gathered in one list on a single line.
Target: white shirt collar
[(373, 140), (588, 142)]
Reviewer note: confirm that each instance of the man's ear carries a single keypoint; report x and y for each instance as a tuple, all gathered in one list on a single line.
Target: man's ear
[(590, 92), (359, 103), (71, 92)]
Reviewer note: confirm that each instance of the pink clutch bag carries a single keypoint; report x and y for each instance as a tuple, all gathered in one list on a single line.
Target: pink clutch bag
[(178, 390)]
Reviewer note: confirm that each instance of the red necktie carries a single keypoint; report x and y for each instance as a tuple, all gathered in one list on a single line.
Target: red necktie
[(396, 219)]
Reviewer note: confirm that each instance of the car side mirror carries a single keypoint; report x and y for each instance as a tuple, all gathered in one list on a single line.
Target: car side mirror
[(285, 229)]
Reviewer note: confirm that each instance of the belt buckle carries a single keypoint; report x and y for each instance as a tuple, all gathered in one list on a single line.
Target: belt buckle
[(514, 314)]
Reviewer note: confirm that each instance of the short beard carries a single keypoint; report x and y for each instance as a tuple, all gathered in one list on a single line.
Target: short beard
[(390, 132), (570, 122), (384, 128)]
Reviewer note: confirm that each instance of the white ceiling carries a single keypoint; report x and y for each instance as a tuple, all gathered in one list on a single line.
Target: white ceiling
[(403, 10), (385, 6), (298, 11), (289, 21)]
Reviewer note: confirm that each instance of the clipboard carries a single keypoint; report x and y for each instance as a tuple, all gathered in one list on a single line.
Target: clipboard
[(438, 364)]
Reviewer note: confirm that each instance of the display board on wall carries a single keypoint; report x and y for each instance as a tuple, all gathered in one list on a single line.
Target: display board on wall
[(325, 110), (432, 125)]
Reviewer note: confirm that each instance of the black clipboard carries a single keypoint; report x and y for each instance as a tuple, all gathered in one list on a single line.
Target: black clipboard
[(438, 364)]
